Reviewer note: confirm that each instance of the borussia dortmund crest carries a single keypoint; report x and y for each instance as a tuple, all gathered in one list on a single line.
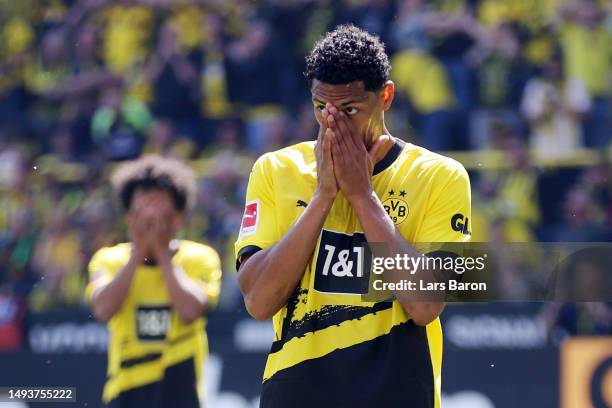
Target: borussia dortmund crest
[(396, 207)]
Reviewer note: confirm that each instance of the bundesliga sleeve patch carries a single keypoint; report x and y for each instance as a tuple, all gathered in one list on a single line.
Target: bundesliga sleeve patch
[(250, 218)]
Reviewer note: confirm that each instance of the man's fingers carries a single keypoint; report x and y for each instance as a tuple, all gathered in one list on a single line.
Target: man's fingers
[(337, 151), (321, 135), (330, 136), (330, 121), (141, 222), (332, 114), (335, 148), (343, 137), (327, 148), (159, 230), (341, 141), (357, 137), (324, 115), (343, 126)]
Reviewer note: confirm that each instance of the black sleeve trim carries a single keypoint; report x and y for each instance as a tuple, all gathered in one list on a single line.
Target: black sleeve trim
[(247, 250)]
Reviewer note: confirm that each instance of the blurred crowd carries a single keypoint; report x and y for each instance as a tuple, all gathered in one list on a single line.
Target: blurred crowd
[(87, 83)]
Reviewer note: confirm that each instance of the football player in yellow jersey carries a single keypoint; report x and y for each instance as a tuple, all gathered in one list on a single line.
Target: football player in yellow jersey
[(309, 208), (153, 292)]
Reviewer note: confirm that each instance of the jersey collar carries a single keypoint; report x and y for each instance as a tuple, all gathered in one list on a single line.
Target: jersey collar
[(390, 157)]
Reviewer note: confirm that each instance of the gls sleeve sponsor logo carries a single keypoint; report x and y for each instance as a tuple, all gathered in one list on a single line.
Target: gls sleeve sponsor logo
[(460, 223), (342, 266)]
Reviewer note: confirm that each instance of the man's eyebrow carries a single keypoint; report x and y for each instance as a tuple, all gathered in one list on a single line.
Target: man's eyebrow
[(343, 103)]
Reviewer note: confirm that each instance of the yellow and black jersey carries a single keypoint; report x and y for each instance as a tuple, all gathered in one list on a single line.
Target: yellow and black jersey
[(331, 349), (150, 348)]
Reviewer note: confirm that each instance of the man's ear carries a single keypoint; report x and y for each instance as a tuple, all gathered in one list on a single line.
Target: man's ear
[(388, 92)]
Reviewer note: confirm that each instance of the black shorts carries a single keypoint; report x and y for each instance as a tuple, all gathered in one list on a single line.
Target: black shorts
[(177, 389)]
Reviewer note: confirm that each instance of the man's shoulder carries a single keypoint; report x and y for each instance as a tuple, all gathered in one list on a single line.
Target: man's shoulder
[(114, 252), (295, 155), (110, 258), (430, 163), (197, 250)]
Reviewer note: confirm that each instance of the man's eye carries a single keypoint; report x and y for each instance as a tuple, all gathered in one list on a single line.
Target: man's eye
[(319, 107), (351, 111)]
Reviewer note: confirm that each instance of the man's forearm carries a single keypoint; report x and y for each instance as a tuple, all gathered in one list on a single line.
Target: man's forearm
[(107, 300), (379, 228), (268, 277), (188, 299)]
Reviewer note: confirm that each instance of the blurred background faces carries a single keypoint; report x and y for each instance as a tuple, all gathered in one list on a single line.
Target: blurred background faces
[(519, 91)]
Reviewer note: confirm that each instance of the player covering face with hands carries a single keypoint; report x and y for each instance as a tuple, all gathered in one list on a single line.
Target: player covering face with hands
[(153, 291), (302, 265), (346, 153), (153, 223)]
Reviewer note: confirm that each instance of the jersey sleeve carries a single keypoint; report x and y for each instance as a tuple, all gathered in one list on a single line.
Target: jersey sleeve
[(447, 218), (101, 271), (259, 227), (205, 269)]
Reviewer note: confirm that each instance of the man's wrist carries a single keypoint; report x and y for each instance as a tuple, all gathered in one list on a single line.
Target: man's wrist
[(164, 256), (323, 198), (137, 256), (363, 202)]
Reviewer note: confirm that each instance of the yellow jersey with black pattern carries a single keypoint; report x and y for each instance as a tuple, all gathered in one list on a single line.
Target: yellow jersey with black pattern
[(147, 339), (351, 352)]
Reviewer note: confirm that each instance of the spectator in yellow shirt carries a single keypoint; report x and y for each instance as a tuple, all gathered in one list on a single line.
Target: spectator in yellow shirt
[(587, 46)]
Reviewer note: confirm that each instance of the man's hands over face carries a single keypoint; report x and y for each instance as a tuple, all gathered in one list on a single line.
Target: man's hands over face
[(327, 185), (161, 235), (139, 232), (353, 164), (151, 232)]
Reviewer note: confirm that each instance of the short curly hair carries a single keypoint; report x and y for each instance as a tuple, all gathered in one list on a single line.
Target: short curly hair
[(348, 54), (154, 172)]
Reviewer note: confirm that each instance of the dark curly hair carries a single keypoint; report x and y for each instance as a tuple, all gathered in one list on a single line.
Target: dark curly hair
[(348, 54), (155, 172)]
